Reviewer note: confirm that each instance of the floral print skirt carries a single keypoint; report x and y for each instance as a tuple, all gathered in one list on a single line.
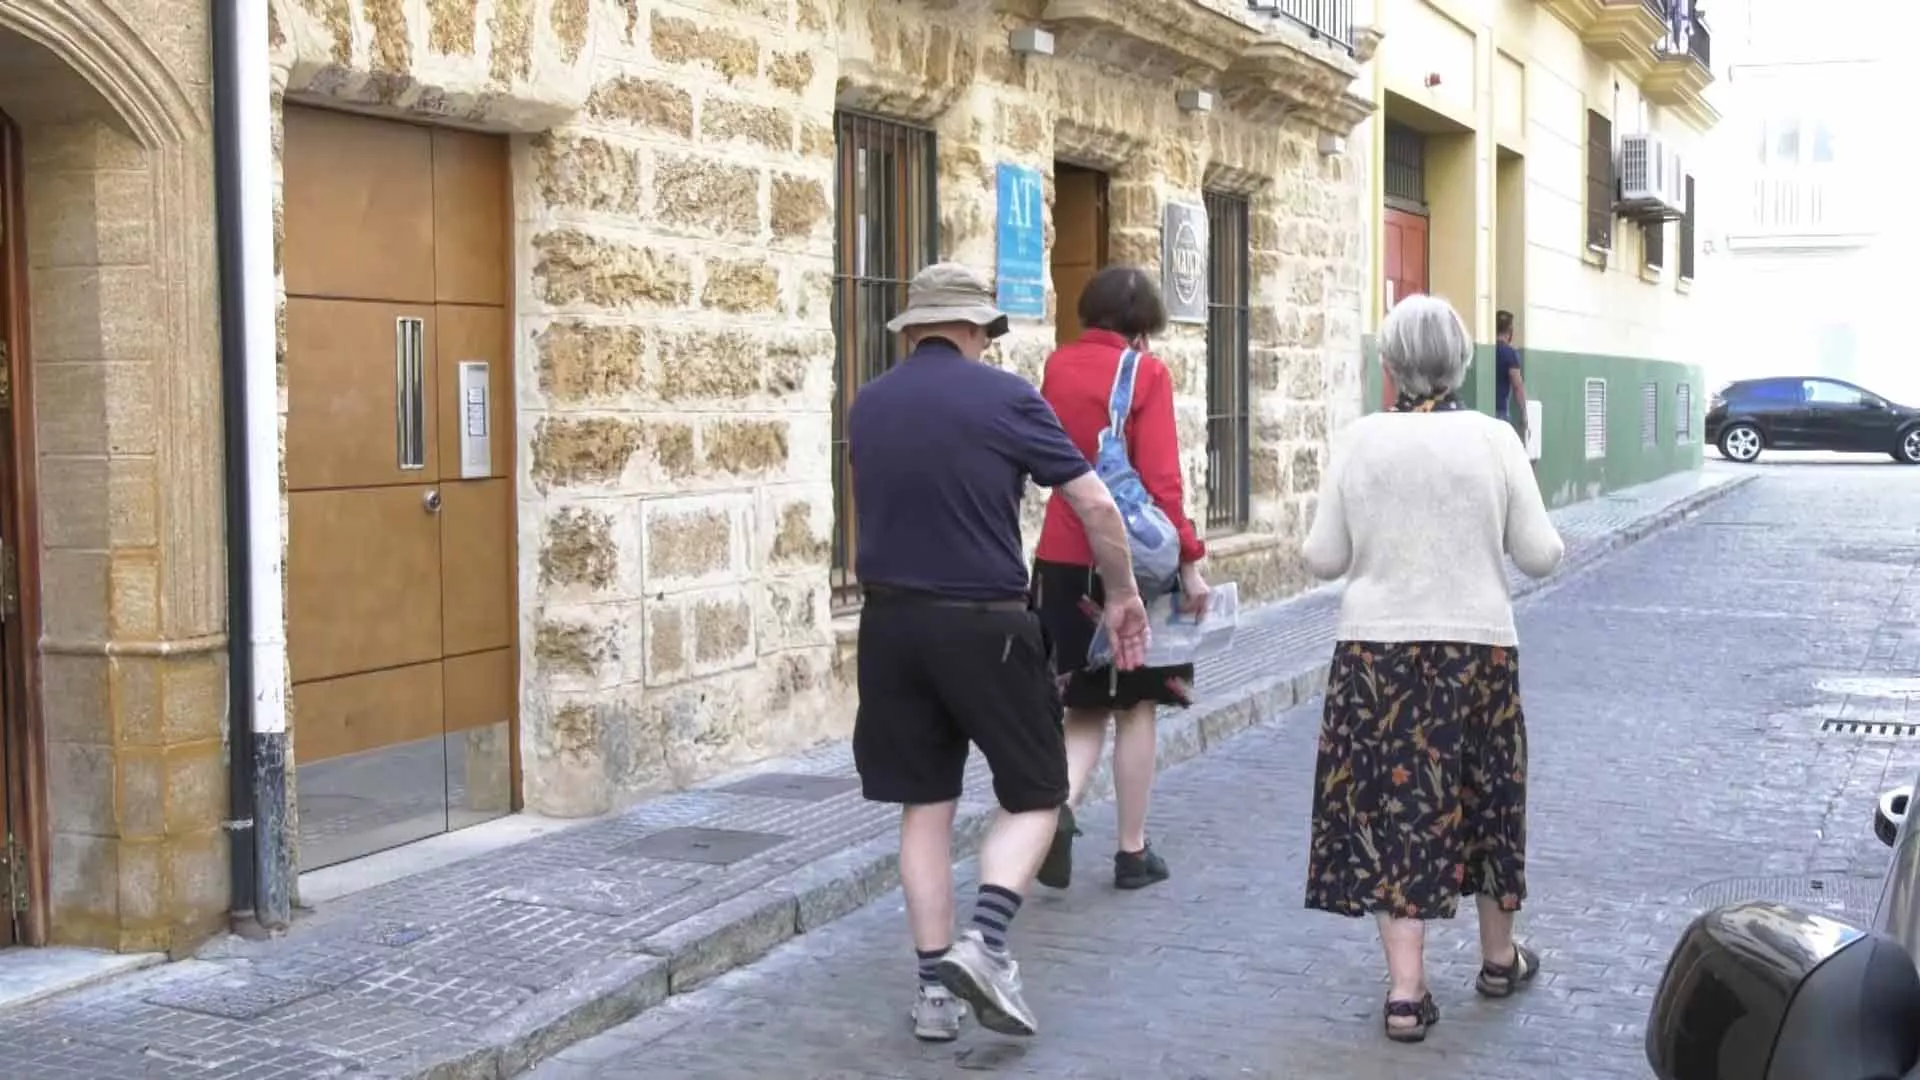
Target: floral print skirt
[(1420, 794)]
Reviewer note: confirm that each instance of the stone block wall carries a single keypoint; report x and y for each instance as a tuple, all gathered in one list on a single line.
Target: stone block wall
[(121, 395), (674, 189)]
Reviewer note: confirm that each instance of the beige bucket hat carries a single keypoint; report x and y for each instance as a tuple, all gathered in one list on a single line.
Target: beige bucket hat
[(950, 292)]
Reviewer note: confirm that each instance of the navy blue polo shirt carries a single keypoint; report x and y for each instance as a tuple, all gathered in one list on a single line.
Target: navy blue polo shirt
[(942, 447)]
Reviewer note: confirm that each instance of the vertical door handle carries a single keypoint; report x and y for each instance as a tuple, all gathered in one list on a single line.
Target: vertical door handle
[(410, 405)]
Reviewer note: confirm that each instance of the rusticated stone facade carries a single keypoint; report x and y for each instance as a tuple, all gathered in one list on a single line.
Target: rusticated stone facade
[(675, 192), (114, 394)]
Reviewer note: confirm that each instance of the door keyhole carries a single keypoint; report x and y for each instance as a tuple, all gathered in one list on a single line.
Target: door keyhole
[(431, 500)]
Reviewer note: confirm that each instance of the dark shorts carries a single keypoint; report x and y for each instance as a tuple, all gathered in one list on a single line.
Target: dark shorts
[(1064, 595), (934, 677)]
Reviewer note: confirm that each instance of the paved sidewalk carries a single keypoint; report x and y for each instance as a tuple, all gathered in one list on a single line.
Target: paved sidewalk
[(1676, 699), (485, 967)]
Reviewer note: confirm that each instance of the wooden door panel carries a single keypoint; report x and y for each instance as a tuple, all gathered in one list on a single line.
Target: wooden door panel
[(344, 394), (471, 215), (363, 580), (476, 564), (358, 207), (480, 689), (357, 713), (1079, 242), (472, 333)]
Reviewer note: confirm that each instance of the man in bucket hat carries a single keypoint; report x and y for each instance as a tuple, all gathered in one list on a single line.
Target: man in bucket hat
[(942, 447)]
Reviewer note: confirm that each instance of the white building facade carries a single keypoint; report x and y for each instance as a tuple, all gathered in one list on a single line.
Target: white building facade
[(1799, 227)]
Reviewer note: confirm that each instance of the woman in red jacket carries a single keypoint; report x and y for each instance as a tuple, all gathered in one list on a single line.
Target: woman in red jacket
[(1120, 307)]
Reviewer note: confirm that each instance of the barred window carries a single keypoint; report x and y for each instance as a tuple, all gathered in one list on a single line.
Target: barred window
[(1600, 182), (886, 225), (1683, 414), (1229, 427), (1649, 415)]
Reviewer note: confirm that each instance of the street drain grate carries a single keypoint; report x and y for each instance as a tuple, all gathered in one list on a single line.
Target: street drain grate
[(1839, 895), (1887, 730)]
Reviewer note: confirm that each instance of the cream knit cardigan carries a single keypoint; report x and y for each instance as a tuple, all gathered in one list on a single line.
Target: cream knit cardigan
[(1419, 511)]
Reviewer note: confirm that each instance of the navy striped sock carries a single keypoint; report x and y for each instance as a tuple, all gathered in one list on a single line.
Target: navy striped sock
[(993, 911), (929, 965)]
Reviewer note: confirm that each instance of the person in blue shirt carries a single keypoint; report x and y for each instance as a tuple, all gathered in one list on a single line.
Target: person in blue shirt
[(951, 652), (1509, 382)]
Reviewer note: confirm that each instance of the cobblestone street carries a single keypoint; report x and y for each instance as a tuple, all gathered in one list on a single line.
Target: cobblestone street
[(1676, 693)]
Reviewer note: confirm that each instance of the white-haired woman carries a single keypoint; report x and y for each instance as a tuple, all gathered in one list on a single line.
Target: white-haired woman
[(1421, 786)]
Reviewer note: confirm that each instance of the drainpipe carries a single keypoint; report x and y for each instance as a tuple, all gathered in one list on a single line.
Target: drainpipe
[(256, 619)]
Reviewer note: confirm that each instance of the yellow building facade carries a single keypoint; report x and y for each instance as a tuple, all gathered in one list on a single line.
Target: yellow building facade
[(1541, 157)]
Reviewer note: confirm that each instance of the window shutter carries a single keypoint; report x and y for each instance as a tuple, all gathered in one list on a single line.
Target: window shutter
[(1649, 414), (1596, 419), (1682, 413), (1600, 181)]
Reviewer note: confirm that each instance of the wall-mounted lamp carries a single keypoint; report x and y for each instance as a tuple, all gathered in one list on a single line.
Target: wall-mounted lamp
[(1031, 41), (1331, 144), (1195, 100)]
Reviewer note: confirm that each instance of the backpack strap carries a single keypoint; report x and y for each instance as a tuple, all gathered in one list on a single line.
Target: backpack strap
[(1120, 398)]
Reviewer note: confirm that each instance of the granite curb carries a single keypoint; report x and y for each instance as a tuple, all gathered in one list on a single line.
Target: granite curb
[(739, 931)]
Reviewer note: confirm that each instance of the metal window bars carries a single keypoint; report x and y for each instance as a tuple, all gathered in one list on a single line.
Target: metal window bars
[(887, 226), (1229, 320)]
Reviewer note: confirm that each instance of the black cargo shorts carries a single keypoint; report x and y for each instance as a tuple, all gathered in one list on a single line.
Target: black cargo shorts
[(936, 674)]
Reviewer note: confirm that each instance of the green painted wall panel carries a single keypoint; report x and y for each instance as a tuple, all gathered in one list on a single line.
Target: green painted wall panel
[(1558, 381)]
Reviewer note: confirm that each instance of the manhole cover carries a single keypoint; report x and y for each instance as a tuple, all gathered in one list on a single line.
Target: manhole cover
[(715, 847), (1867, 554), (1873, 686), (1879, 729), (794, 786), (233, 998), (1848, 898)]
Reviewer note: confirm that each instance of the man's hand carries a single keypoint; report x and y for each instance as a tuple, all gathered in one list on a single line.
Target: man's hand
[(1194, 592), (1126, 621)]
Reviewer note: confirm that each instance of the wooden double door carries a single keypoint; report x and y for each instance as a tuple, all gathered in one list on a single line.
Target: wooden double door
[(1405, 270), (399, 466), (1079, 241)]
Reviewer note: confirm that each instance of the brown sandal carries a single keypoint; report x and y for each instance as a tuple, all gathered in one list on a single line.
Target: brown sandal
[(1505, 980), (1424, 1014)]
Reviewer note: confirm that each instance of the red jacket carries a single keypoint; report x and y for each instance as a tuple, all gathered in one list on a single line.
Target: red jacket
[(1078, 379)]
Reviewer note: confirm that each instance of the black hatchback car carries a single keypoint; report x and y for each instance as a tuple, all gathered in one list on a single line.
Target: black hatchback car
[(1794, 413)]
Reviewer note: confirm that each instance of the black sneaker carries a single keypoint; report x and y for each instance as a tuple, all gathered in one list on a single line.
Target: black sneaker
[(1139, 869), (1056, 871)]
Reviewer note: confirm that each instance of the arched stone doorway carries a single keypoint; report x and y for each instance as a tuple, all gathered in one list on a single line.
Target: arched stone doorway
[(114, 700)]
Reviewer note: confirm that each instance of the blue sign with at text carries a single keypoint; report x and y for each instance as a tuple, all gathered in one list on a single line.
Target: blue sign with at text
[(1021, 268)]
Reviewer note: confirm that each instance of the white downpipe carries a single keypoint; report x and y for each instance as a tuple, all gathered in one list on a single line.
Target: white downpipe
[(267, 566)]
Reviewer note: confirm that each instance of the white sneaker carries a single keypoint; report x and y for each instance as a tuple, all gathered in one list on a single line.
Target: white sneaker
[(988, 980), (937, 1015)]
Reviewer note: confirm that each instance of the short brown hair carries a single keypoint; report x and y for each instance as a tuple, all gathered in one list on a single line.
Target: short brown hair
[(1124, 300)]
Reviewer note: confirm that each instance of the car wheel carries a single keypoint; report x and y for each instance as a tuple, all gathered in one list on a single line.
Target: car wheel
[(1908, 452), (1742, 443)]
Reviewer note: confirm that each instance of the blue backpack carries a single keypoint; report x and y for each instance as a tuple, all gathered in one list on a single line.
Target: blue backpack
[(1154, 541)]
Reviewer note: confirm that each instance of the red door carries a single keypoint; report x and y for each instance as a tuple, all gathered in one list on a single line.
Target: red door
[(1404, 269)]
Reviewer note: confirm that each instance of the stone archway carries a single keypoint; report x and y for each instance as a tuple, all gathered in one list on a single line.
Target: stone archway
[(125, 584)]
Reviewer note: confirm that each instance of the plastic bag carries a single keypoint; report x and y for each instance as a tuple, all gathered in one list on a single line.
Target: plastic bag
[(1174, 637)]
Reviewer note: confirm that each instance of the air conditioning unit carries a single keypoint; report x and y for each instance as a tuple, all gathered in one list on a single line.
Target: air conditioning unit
[(1642, 167)]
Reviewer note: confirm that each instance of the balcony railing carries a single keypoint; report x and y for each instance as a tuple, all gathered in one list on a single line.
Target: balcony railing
[(1805, 204), (1328, 19), (1687, 33)]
